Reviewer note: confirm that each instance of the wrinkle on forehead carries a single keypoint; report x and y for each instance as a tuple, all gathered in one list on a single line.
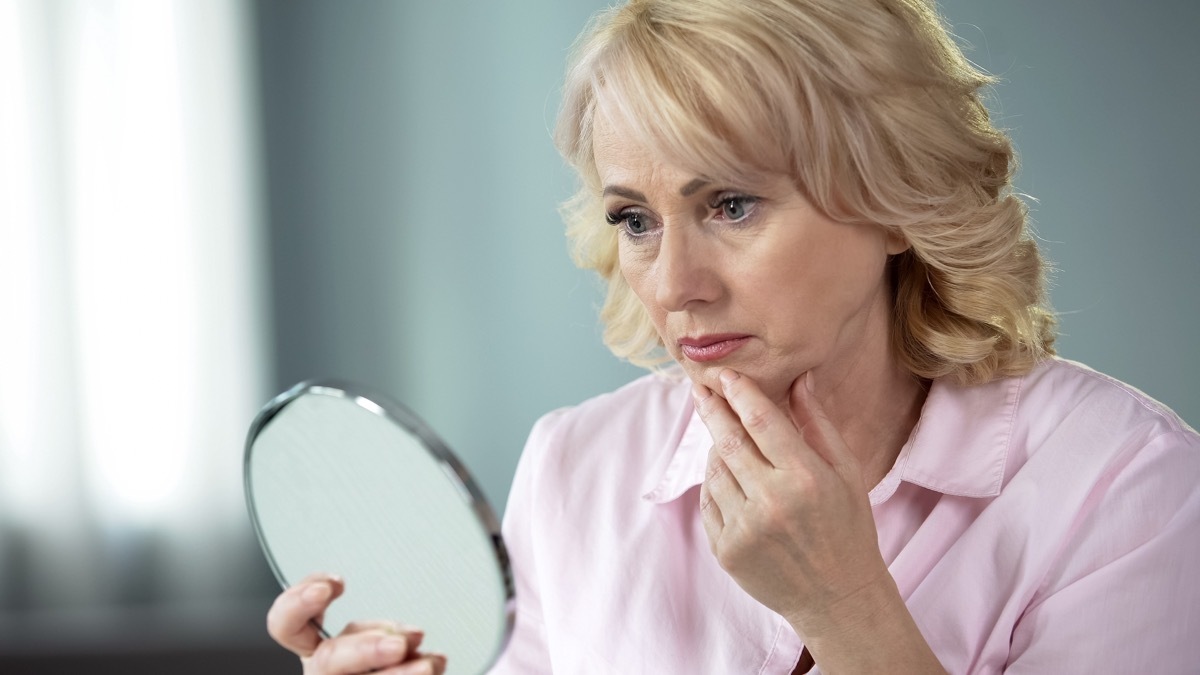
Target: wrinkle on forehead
[(623, 161), (620, 144)]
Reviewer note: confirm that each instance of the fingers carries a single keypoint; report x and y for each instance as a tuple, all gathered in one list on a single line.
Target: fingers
[(290, 621), (768, 428), (364, 646), (710, 511), (720, 493), (428, 664), (371, 649), (734, 445)]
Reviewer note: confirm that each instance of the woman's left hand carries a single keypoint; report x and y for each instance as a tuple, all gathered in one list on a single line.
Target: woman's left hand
[(786, 510)]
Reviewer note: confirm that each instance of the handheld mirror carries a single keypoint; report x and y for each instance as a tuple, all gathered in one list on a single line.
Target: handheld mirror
[(342, 481)]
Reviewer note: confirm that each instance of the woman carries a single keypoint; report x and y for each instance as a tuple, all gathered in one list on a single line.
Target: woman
[(868, 456)]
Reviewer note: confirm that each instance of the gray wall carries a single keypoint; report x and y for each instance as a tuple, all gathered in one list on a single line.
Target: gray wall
[(1101, 97), (413, 184), (413, 192)]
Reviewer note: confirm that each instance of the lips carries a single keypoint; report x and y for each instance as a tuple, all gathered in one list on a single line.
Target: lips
[(712, 347)]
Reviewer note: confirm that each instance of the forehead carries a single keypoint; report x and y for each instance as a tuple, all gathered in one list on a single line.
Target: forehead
[(631, 144), (615, 145), (623, 157)]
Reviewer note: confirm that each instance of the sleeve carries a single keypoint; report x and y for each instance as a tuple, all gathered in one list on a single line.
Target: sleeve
[(527, 652), (1123, 595)]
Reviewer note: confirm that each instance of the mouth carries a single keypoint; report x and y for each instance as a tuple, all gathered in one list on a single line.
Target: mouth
[(712, 347)]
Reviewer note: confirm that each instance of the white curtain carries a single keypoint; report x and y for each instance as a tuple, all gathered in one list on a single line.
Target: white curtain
[(131, 338)]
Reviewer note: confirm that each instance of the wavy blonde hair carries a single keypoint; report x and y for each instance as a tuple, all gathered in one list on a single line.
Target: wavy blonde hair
[(876, 115)]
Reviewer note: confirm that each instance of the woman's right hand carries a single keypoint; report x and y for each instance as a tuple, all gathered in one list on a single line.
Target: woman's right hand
[(382, 647)]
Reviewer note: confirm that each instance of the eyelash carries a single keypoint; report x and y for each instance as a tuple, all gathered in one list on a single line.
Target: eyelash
[(621, 218)]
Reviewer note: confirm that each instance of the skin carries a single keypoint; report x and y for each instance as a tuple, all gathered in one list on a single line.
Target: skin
[(807, 416), (382, 647)]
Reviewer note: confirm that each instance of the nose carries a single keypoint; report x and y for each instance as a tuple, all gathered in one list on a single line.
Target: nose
[(685, 269)]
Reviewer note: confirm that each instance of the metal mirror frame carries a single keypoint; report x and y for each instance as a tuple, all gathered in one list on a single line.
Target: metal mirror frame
[(456, 474)]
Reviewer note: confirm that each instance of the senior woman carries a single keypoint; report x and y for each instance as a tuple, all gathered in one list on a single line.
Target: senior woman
[(867, 455)]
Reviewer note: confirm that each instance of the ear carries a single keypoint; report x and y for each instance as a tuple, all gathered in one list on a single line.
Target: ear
[(895, 242)]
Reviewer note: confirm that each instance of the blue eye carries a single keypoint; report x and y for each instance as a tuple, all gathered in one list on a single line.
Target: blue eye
[(633, 223), (736, 208)]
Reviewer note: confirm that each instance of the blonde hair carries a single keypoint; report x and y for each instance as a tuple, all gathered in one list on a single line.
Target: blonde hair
[(871, 109)]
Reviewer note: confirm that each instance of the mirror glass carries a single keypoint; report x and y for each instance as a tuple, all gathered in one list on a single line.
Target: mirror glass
[(350, 483)]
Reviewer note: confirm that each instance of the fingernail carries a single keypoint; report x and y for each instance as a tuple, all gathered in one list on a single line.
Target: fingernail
[(318, 592), (393, 646), (700, 392), (728, 376), (422, 667)]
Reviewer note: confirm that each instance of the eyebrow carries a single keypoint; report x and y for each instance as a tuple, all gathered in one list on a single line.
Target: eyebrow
[(688, 190), (692, 187), (624, 192)]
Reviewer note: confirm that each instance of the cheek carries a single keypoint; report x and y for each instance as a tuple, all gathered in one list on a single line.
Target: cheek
[(849, 263), (638, 275), (812, 293)]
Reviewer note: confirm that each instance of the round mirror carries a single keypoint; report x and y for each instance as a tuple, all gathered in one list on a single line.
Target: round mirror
[(348, 483)]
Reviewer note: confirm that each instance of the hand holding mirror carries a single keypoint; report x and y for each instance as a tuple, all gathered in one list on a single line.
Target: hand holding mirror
[(341, 481)]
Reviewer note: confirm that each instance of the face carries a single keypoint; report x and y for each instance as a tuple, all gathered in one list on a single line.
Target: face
[(747, 277)]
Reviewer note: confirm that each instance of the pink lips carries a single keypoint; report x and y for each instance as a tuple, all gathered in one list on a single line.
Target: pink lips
[(712, 347)]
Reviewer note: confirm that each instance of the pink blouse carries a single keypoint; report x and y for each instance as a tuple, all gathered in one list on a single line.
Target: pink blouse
[(1042, 524)]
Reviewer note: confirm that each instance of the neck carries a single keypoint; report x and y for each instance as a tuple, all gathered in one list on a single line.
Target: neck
[(874, 402), (876, 423)]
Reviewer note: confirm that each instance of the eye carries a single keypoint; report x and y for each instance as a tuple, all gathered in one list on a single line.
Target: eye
[(634, 223), (735, 208)]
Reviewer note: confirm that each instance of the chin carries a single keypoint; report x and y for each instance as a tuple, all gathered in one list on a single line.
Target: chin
[(770, 382), (703, 373)]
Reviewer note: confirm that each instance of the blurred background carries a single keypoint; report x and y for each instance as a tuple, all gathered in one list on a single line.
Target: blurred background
[(203, 202)]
